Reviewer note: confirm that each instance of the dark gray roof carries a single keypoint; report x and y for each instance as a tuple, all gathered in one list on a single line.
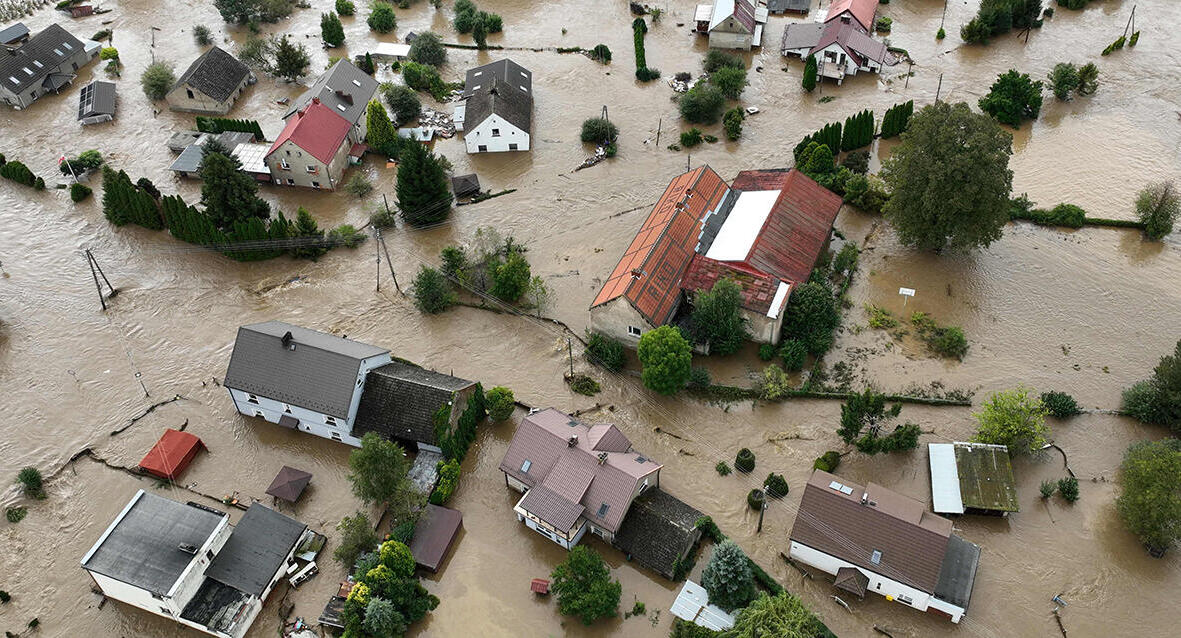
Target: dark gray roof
[(958, 573), (343, 88), (13, 32), (97, 98), (465, 185), (215, 606), (216, 74), (42, 55), (260, 543), (658, 530), (400, 401), (780, 6), (319, 374), (504, 88), (551, 507), (801, 35), (143, 547)]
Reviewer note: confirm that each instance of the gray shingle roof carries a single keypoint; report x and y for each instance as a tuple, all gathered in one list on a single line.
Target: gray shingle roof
[(257, 547), (400, 401), (502, 87), (143, 548), (781, 6), (13, 32), (216, 74), (34, 61), (658, 530), (958, 573), (319, 374), (343, 88), (96, 98)]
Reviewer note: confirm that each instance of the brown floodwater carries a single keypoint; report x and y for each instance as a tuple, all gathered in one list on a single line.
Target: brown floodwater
[(1087, 312)]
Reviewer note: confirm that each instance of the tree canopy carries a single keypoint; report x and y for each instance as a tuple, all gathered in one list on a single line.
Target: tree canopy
[(864, 418), (1013, 97), (424, 194), (1150, 498), (782, 616), (157, 80), (1157, 400), (811, 316), (584, 586), (377, 471), (291, 59), (702, 104), (717, 316), (382, 18), (228, 194), (427, 48), (1157, 206), (727, 578), (666, 358), (402, 100), (1015, 418), (432, 291), (331, 29), (950, 179)]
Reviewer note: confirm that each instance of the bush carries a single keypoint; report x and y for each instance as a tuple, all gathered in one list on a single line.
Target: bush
[(600, 54), (1149, 502), (331, 30), (358, 185), (511, 278), (793, 354), (1063, 79), (940, 34), (1060, 404), (647, 74), (1048, 488), (730, 81), (717, 59), (947, 341), (428, 48), (357, 537), (766, 352), (776, 485), (811, 317), (1068, 488), (1015, 419), (702, 104), (605, 351), (383, 217), (1012, 98), (402, 100), (448, 481), (723, 468), (755, 499), (500, 403), (1158, 399), (382, 18), (345, 7), (583, 384), (828, 461), (745, 461), (774, 384), (732, 123), (690, 138), (421, 77), (15, 514), (666, 359), (79, 192), (157, 80), (598, 130), (4, 596), (857, 161), (883, 24), (32, 484), (699, 378), (345, 235), (432, 292)]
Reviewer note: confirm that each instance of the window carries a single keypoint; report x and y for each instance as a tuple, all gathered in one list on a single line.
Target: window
[(312, 169), (356, 83), (633, 331), (59, 52), (288, 151), (876, 557), (67, 46), (38, 63), (512, 147), (283, 163), (341, 107), (481, 149), (329, 420), (335, 436), (157, 596), (28, 70), (189, 92), (259, 413), (209, 554), (495, 131), (287, 408), (603, 510), (315, 184), (525, 466), (290, 182), (14, 80), (252, 399)]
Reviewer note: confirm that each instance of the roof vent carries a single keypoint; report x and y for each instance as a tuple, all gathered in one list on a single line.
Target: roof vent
[(573, 441), (187, 548), (287, 340), (602, 458), (637, 273)]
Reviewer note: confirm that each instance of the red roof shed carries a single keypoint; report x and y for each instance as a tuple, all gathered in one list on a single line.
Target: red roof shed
[(171, 454)]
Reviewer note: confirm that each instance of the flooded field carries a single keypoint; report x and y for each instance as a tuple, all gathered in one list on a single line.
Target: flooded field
[(1087, 312)]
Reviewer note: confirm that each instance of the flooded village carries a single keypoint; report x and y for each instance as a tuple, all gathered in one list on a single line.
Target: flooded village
[(196, 436)]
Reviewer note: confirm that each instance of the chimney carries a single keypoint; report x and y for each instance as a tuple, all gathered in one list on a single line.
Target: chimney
[(316, 100), (287, 340), (573, 441), (602, 458), (637, 273), (864, 498), (344, 97)]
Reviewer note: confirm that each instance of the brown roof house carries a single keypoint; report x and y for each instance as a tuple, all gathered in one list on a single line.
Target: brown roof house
[(575, 476), (875, 540), (764, 231)]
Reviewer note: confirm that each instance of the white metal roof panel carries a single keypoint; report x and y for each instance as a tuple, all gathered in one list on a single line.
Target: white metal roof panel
[(692, 604), (945, 479), (391, 50), (742, 227)]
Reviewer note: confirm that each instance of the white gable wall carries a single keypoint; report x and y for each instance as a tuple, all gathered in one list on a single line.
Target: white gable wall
[(480, 138)]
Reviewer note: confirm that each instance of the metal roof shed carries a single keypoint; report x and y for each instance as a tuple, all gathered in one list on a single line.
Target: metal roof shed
[(434, 534), (692, 604), (171, 454), (945, 480), (96, 103)]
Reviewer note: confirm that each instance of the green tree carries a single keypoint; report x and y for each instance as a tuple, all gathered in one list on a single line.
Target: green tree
[(727, 578), (291, 60), (1088, 78), (240, 11), (428, 48), (1150, 496), (1014, 418), (717, 315), (480, 34), (228, 194), (382, 18), (424, 194), (1064, 80), (402, 100), (949, 179), (331, 29), (702, 104), (730, 80), (310, 244), (356, 537), (397, 557), (810, 73), (1157, 400), (717, 59), (157, 80), (781, 615), (377, 471), (256, 53), (511, 278), (380, 131), (598, 130), (432, 292), (732, 123), (1013, 97), (811, 316), (604, 351), (466, 15), (345, 7), (382, 620), (1157, 206), (32, 483), (500, 403), (584, 586), (864, 418), (666, 359)]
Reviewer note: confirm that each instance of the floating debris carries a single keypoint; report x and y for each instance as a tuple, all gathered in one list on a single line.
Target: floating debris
[(437, 121)]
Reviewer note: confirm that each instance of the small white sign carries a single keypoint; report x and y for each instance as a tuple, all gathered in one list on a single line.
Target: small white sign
[(909, 292)]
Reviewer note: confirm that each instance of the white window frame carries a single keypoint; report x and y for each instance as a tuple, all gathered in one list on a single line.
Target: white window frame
[(330, 420), (250, 398), (633, 331)]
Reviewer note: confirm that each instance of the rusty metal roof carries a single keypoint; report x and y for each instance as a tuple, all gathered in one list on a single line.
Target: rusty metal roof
[(649, 273), (758, 288), (862, 10)]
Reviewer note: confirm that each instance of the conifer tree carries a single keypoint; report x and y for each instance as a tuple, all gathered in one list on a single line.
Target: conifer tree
[(227, 193), (423, 193), (310, 237), (809, 80), (380, 131), (331, 29)]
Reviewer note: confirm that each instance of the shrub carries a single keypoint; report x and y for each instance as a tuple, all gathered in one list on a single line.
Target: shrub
[(599, 130), (647, 74), (600, 54), (808, 80), (699, 378), (397, 556), (732, 123), (730, 81), (500, 403), (940, 34), (15, 514), (666, 359), (1015, 419), (432, 292), (690, 138), (811, 317), (358, 185), (605, 351), (32, 484), (331, 30), (421, 77), (717, 59), (157, 80), (776, 485), (766, 352), (428, 48), (745, 461), (1063, 79), (583, 384), (345, 235), (774, 384), (345, 7), (793, 354), (946, 341), (382, 18), (511, 278), (702, 104), (857, 161), (682, 76), (466, 15), (883, 24), (402, 100), (1060, 404), (1149, 502), (448, 481), (727, 578), (828, 461), (4, 596), (79, 192), (1139, 402), (1158, 206), (1048, 488), (584, 587), (755, 499), (357, 537), (1012, 98), (1068, 488), (846, 259), (1157, 400), (723, 468), (383, 217)]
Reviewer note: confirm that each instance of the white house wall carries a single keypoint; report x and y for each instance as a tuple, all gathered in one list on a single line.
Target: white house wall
[(178, 100), (615, 317), (724, 40), (481, 135), (878, 584)]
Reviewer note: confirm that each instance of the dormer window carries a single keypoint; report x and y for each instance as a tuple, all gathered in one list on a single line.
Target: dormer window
[(59, 52), (28, 70), (67, 46)]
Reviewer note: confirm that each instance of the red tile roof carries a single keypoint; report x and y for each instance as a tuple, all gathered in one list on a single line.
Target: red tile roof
[(315, 129), (861, 10), (649, 273), (758, 288)]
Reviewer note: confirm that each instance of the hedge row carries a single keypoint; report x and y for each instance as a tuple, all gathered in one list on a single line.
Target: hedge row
[(455, 444), (734, 393), (643, 73), (223, 124), (897, 119), (858, 131), (829, 136)]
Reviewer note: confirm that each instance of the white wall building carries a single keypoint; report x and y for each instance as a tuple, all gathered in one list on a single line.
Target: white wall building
[(496, 113), (732, 24)]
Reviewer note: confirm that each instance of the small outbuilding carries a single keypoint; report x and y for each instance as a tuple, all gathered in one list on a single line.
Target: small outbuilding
[(211, 84), (972, 478), (289, 484), (96, 103), (788, 6), (14, 34), (391, 51), (171, 454), (465, 185), (434, 534), (692, 604)]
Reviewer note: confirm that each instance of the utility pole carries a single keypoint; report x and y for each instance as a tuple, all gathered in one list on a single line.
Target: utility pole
[(909, 72), (96, 271), (570, 351), (377, 251), (386, 250), (387, 203), (944, 16), (761, 510), (658, 124), (688, 163), (940, 88)]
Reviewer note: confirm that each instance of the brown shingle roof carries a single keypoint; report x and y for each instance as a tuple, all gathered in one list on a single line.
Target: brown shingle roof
[(551, 507), (912, 541)]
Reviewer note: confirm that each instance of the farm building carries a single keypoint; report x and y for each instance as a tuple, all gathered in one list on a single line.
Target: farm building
[(972, 478)]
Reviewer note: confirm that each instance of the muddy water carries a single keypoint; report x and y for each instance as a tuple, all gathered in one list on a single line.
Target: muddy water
[(1087, 312)]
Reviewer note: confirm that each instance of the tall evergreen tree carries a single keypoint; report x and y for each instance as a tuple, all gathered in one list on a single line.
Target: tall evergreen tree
[(809, 81), (227, 193), (331, 29), (308, 235), (291, 60), (423, 193), (380, 131)]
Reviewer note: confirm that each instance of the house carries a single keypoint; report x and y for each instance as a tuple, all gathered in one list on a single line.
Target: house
[(346, 90), (186, 562), (659, 532), (313, 149), (300, 378), (859, 12), (575, 476), (972, 478), (46, 63), (96, 103), (732, 24), (789, 6), (765, 232), (840, 41), (496, 111), (875, 540), (400, 401), (210, 85), (12, 34)]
